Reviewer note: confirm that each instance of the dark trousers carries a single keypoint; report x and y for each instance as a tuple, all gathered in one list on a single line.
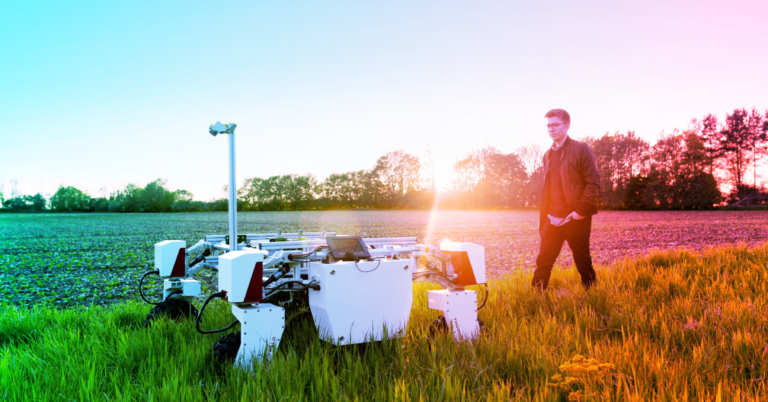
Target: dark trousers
[(576, 233)]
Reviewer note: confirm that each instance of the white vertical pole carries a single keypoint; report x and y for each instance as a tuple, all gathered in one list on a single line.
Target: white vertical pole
[(232, 195)]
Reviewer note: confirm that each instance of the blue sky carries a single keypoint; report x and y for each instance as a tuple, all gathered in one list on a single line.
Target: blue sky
[(102, 94)]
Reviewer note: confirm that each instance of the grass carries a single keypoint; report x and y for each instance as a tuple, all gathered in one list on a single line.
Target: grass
[(676, 325)]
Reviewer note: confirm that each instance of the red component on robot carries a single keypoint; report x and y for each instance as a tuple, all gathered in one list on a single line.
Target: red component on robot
[(254, 293), (240, 274)]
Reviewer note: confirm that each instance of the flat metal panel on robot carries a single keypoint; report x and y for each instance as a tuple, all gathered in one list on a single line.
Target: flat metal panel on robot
[(170, 259), (357, 300), (240, 275), (472, 253)]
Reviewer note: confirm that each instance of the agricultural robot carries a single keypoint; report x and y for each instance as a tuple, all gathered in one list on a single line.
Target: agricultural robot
[(354, 289)]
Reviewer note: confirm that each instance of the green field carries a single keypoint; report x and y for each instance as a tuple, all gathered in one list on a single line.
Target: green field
[(96, 259), (671, 325)]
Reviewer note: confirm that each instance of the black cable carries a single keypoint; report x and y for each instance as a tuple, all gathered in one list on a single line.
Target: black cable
[(200, 316), (428, 273), (307, 254), (141, 284), (419, 274), (315, 260), (200, 257), (277, 274), (365, 272), (312, 284), (486, 297), (285, 283)]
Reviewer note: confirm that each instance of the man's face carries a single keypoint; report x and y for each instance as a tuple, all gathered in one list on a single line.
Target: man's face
[(557, 129)]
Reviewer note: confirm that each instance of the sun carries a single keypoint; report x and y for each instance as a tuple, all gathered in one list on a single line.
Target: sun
[(444, 175)]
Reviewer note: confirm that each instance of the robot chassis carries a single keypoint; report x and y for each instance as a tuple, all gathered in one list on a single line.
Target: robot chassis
[(351, 301)]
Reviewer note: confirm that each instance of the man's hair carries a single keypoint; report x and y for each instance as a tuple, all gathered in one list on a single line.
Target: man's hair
[(561, 114)]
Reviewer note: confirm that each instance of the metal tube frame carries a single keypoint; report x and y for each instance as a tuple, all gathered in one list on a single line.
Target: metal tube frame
[(232, 195), (387, 247)]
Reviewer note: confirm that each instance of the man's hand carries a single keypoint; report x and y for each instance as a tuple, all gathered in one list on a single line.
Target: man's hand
[(576, 216)]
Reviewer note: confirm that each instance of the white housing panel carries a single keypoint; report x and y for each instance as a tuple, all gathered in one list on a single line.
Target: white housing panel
[(261, 327), (166, 256), (235, 273), (476, 255), (459, 309), (357, 300)]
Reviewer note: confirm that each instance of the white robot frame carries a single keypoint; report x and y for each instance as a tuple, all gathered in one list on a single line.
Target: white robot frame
[(350, 301)]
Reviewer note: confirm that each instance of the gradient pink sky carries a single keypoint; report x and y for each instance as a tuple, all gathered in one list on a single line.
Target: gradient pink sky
[(105, 95)]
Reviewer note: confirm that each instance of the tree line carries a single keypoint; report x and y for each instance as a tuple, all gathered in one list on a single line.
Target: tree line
[(688, 169), (682, 170), (154, 197)]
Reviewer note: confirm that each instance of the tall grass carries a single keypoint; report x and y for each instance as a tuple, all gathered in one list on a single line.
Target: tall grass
[(672, 326)]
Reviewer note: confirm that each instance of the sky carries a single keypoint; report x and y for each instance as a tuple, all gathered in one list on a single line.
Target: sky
[(97, 95)]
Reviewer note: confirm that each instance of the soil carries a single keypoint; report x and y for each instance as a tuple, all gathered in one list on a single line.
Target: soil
[(96, 259)]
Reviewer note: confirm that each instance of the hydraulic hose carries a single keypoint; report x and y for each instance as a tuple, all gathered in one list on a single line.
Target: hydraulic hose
[(277, 275), (484, 299), (304, 255), (200, 257), (141, 286), (311, 285), (200, 315)]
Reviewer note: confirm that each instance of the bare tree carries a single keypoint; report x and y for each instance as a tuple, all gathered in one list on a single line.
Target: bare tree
[(734, 143), (398, 173), (707, 129), (757, 125), (620, 157), (14, 191), (490, 178), (632, 151), (531, 156), (428, 169)]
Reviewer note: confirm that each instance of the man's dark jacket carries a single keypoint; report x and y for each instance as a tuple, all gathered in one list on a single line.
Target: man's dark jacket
[(580, 178)]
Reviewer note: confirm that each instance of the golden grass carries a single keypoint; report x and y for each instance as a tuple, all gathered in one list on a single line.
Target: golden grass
[(672, 326)]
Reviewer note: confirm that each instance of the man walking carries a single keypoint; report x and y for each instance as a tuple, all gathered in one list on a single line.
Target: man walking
[(569, 199)]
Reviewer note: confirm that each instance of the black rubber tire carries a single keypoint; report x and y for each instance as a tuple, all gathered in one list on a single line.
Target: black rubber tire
[(225, 350), (299, 332), (440, 325), (437, 326), (482, 329), (173, 308)]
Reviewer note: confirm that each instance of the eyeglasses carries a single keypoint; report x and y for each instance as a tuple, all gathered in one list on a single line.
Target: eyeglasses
[(555, 125)]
